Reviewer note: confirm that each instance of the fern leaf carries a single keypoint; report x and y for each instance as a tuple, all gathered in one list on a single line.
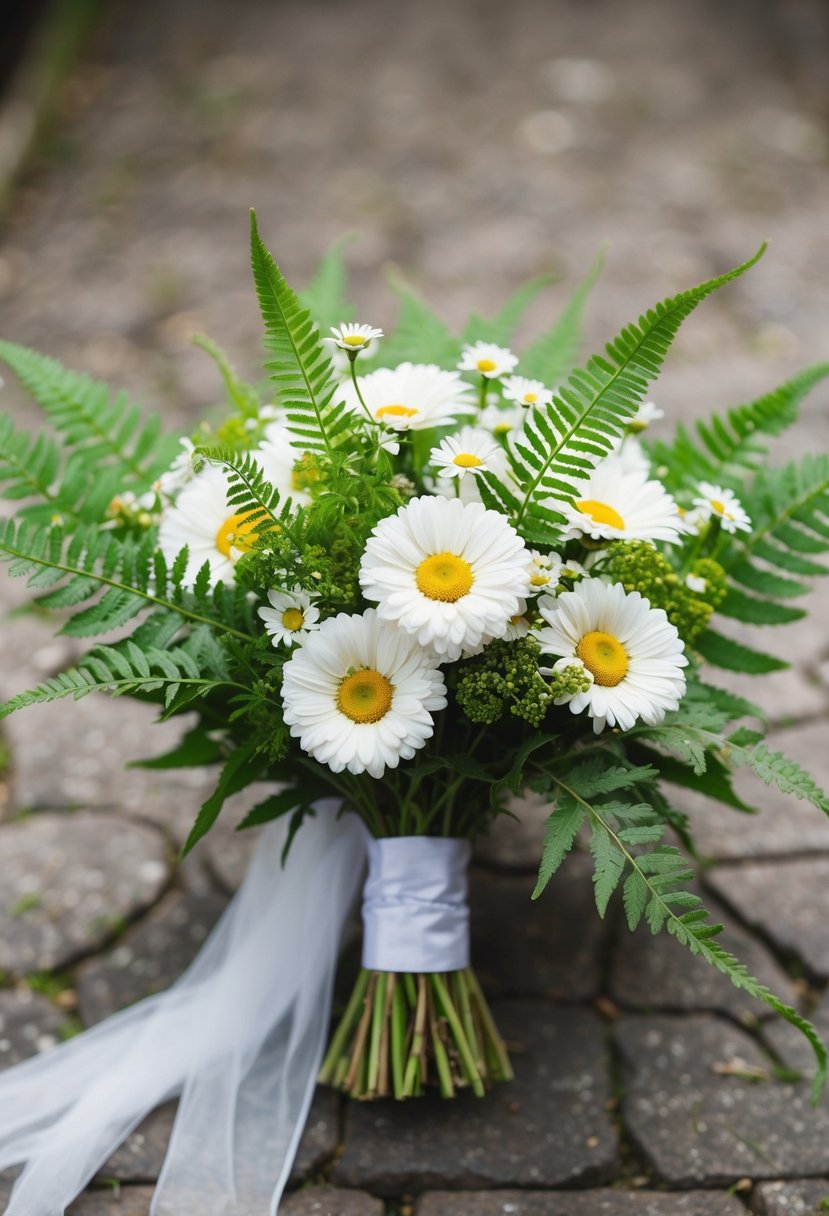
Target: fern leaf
[(106, 430), (734, 656), (240, 394), (420, 336), (774, 768), (325, 297), (727, 446), (559, 836), (590, 410), (299, 366), (501, 328), (553, 355)]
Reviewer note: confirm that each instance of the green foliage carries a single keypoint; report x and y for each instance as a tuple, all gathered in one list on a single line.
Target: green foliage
[(420, 336), (242, 768), (562, 443), (638, 566), (325, 297), (501, 328), (729, 444), (656, 881), (553, 355), (242, 396), (107, 432), (299, 366), (735, 656)]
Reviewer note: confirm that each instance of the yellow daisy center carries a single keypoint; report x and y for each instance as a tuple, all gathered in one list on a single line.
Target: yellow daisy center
[(233, 534), (293, 619), (486, 365), (539, 579), (719, 507), (601, 512), (467, 460), (354, 340), (365, 696), (444, 576), (531, 398), (517, 619), (603, 656), (395, 411), (501, 428)]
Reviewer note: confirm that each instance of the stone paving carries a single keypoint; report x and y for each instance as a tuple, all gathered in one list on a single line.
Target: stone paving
[(472, 144)]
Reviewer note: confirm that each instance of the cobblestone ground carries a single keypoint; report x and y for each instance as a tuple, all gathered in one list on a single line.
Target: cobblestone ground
[(474, 144)]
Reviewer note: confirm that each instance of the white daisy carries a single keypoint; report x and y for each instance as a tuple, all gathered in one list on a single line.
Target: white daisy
[(202, 519), (179, 473), (526, 392), (633, 652), (469, 451), (647, 413), (410, 397), (619, 505), (353, 338), (545, 569), (450, 573), (721, 504), (359, 694), (501, 419), (291, 616), (487, 359)]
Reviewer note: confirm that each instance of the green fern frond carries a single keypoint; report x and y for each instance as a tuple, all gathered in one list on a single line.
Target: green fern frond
[(562, 443), (656, 889), (726, 446), (420, 336), (252, 495), (501, 328), (554, 354), (125, 668), (107, 431), (299, 368), (127, 574), (325, 297)]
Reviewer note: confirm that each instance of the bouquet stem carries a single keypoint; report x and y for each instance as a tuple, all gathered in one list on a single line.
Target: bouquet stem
[(402, 1032)]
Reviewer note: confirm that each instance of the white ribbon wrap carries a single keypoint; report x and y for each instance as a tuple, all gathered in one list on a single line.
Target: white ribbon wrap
[(415, 914), (240, 1037)]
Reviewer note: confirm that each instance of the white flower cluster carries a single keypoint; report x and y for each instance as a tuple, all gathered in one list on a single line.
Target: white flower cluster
[(446, 574)]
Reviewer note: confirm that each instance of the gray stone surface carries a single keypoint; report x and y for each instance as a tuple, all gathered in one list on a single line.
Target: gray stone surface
[(28, 1024), (141, 1156), (526, 947), (771, 896), (126, 1201), (516, 839), (699, 1124), (573, 1203), (330, 1201), (784, 823), (148, 958), (803, 1198), (547, 1128), (656, 972), (69, 881)]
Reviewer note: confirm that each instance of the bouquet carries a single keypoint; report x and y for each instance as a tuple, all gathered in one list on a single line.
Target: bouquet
[(419, 575)]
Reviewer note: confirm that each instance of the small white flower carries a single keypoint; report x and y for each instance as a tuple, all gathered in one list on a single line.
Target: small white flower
[(360, 695), (448, 573), (647, 413), (619, 505), (526, 392), (410, 397), (696, 584), (518, 626), (179, 473), (573, 570), (633, 652), (291, 616), (469, 451), (487, 360), (721, 504), (500, 419), (545, 569), (353, 338)]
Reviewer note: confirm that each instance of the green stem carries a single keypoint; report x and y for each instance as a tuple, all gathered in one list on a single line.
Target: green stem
[(341, 1035), (482, 394), (448, 1010), (353, 369), (505, 1072), (376, 1031), (398, 1037)]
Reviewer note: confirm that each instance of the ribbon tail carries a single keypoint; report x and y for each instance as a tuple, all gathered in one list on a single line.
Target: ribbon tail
[(240, 1037)]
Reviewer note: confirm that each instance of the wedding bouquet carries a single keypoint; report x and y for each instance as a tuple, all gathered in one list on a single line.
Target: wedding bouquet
[(419, 575)]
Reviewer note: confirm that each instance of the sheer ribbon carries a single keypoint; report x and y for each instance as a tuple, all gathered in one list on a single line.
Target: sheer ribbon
[(240, 1037)]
